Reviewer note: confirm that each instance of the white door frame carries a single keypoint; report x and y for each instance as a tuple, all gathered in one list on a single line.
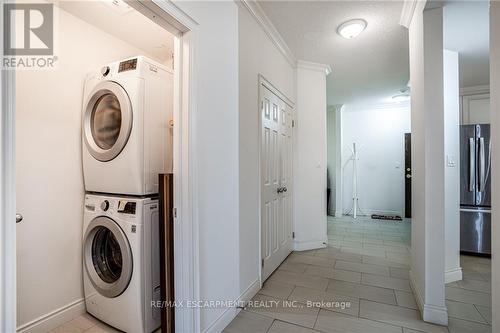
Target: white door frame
[(266, 83), (186, 267)]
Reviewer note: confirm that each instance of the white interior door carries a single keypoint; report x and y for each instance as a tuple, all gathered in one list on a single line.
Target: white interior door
[(276, 181)]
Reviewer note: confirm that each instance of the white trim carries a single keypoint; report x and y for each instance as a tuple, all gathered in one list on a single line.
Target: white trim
[(55, 318), (250, 292), (230, 313), (407, 12), (314, 66), (266, 83), (475, 90), (453, 275), (258, 14), (186, 233), (309, 245), (435, 314), (8, 287), (430, 313)]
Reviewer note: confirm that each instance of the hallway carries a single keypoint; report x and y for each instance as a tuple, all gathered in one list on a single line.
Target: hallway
[(359, 283)]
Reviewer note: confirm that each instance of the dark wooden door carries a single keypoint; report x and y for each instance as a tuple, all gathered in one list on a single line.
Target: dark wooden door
[(407, 174)]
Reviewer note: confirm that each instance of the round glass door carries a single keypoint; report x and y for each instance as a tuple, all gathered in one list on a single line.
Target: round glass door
[(107, 121), (108, 258)]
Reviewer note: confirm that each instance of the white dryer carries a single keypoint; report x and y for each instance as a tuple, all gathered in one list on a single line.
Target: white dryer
[(126, 132), (121, 261)]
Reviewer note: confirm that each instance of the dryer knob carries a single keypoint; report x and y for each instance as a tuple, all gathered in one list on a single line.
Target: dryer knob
[(105, 205), (105, 71)]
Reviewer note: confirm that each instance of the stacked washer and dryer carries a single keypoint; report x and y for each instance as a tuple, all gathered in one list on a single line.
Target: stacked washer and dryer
[(127, 142)]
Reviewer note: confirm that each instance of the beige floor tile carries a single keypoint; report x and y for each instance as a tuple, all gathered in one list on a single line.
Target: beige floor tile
[(464, 326), (362, 268), (468, 296), (464, 311), (293, 267), (248, 322), (383, 262), (400, 273), (326, 300), (102, 328), (283, 327), (67, 328), (482, 286), (292, 312), (485, 312), (334, 274), (310, 260), (333, 322), (362, 291), (296, 279), (276, 289), (406, 299), (397, 315), (385, 282), (472, 275)]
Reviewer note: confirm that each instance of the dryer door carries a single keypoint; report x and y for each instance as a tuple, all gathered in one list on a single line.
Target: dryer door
[(107, 257), (107, 121)]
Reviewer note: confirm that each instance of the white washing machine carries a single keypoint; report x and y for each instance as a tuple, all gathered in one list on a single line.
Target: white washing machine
[(126, 132), (121, 261)]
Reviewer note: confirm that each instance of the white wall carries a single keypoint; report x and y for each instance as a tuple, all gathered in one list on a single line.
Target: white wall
[(378, 132), (257, 55), (495, 177), (331, 135), (426, 76), (453, 271), (217, 126), (48, 165), (310, 158)]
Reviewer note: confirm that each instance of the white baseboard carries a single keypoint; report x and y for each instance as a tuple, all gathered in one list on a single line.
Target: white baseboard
[(55, 318), (453, 275), (430, 313), (309, 245), (435, 314), (229, 314)]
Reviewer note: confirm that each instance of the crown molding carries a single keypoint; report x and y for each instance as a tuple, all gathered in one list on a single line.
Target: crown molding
[(258, 14), (380, 106), (314, 66), (409, 8)]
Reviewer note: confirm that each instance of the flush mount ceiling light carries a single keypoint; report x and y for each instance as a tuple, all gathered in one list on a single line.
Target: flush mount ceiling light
[(352, 28)]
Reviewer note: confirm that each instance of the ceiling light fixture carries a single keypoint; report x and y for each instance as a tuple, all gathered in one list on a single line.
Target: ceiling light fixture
[(352, 28)]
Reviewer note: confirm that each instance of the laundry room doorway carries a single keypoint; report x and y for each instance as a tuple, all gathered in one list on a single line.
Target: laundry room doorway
[(44, 135)]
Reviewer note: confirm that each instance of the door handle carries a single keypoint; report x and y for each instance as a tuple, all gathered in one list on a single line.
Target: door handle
[(280, 189), (285, 189), (19, 218), (472, 164), (482, 170)]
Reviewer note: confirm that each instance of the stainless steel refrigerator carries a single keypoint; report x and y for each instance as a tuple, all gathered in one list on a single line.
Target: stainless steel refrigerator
[(475, 189)]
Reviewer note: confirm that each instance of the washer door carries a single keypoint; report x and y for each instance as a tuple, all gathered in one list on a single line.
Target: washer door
[(107, 257), (107, 121)]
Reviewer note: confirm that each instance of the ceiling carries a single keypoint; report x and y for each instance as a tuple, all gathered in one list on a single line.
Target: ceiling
[(466, 25), (126, 24), (366, 70)]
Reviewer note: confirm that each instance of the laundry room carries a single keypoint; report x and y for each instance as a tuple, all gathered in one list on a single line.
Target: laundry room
[(92, 135)]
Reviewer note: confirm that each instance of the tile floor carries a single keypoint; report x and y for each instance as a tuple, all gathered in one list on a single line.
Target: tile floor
[(358, 284)]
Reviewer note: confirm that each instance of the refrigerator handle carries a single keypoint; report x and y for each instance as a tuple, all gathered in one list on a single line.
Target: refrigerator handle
[(482, 164), (472, 164)]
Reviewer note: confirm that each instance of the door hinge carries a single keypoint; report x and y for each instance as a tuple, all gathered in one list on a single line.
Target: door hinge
[(262, 262), (293, 234), (293, 123), (174, 212)]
